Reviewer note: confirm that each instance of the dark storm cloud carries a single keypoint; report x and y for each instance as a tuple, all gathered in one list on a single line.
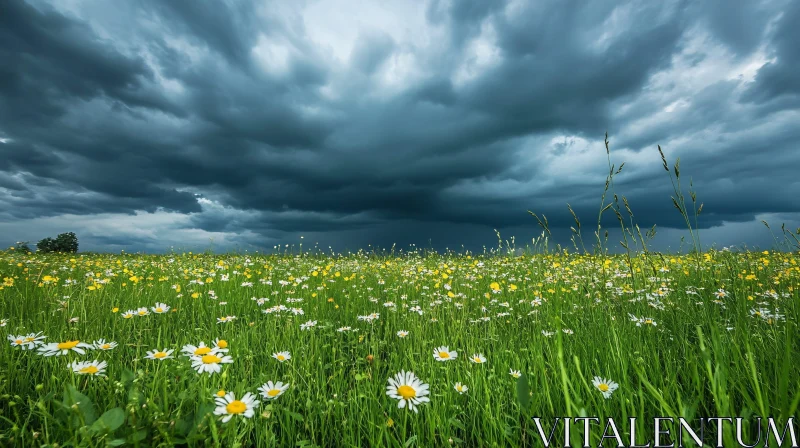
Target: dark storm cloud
[(501, 109)]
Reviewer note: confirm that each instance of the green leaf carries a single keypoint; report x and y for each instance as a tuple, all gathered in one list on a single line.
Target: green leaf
[(410, 441), (115, 442), (74, 398), (109, 421), (295, 416), (138, 436), (127, 377), (523, 392)]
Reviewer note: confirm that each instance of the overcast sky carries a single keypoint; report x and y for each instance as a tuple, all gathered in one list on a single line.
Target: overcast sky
[(145, 125)]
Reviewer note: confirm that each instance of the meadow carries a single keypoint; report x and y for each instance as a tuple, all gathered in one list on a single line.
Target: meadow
[(494, 339), (399, 348)]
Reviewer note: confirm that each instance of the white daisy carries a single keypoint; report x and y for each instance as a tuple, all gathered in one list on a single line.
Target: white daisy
[(62, 348), (159, 354), (402, 333), (221, 345), (128, 314), (271, 391), (160, 308), (226, 319), (478, 358), (210, 363), (27, 342), (409, 389), (228, 406), (102, 344), (282, 356), (443, 353), (143, 311), (460, 388), (199, 350), (91, 368), (515, 373), (308, 325), (607, 387)]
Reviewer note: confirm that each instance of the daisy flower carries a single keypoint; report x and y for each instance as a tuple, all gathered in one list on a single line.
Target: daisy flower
[(225, 319), (199, 350), (128, 314), (159, 354), (91, 368), (271, 391), (478, 359), (210, 363), (460, 388), (228, 406), (443, 353), (308, 325), (343, 329), (410, 390), (402, 333), (221, 345), (607, 387), (515, 373), (62, 348), (160, 308), (282, 356), (102, 344), (143, 311), (27, 342), (3, 322)]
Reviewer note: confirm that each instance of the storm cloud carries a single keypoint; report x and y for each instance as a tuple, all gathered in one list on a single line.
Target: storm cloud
[(146, 125)]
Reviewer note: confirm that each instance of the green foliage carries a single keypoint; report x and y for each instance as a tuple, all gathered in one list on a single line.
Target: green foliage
[(63, 243)]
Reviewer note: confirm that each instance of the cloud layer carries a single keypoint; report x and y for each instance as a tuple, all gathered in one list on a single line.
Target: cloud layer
[(144, 125)]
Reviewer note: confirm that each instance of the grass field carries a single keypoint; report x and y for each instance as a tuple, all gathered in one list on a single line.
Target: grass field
[(687, 336)]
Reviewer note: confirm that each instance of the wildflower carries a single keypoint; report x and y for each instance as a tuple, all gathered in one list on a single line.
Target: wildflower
[(91, 368), (143, 311), (128, 314), (62, 348), (721, 293), (271, 391), (409, 389), (443, 353), (27, 342), (478, 358), (308, 325), (607, 387), (515, 373), (225, 319), (460, 388), (221, 344), (343, 329), (228, 406), (210, 363), (159, 354), (3, 322), (402, 333), (199, 350), (282, 356), (101, 344), (160, 308)]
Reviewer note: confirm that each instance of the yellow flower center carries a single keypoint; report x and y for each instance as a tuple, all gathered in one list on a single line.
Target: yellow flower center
[(105, 346), (202, 351), (406, 392), (476, 359), (67, 345), (91, 370), (142, 312), (281, 358), (211, 359), (222, 343), (274, 392), (603, 387), (28, 339), (160, 355), (236, 407), (18, 341), (444, 355), (159, 310), (127, 316), (220, 393)]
